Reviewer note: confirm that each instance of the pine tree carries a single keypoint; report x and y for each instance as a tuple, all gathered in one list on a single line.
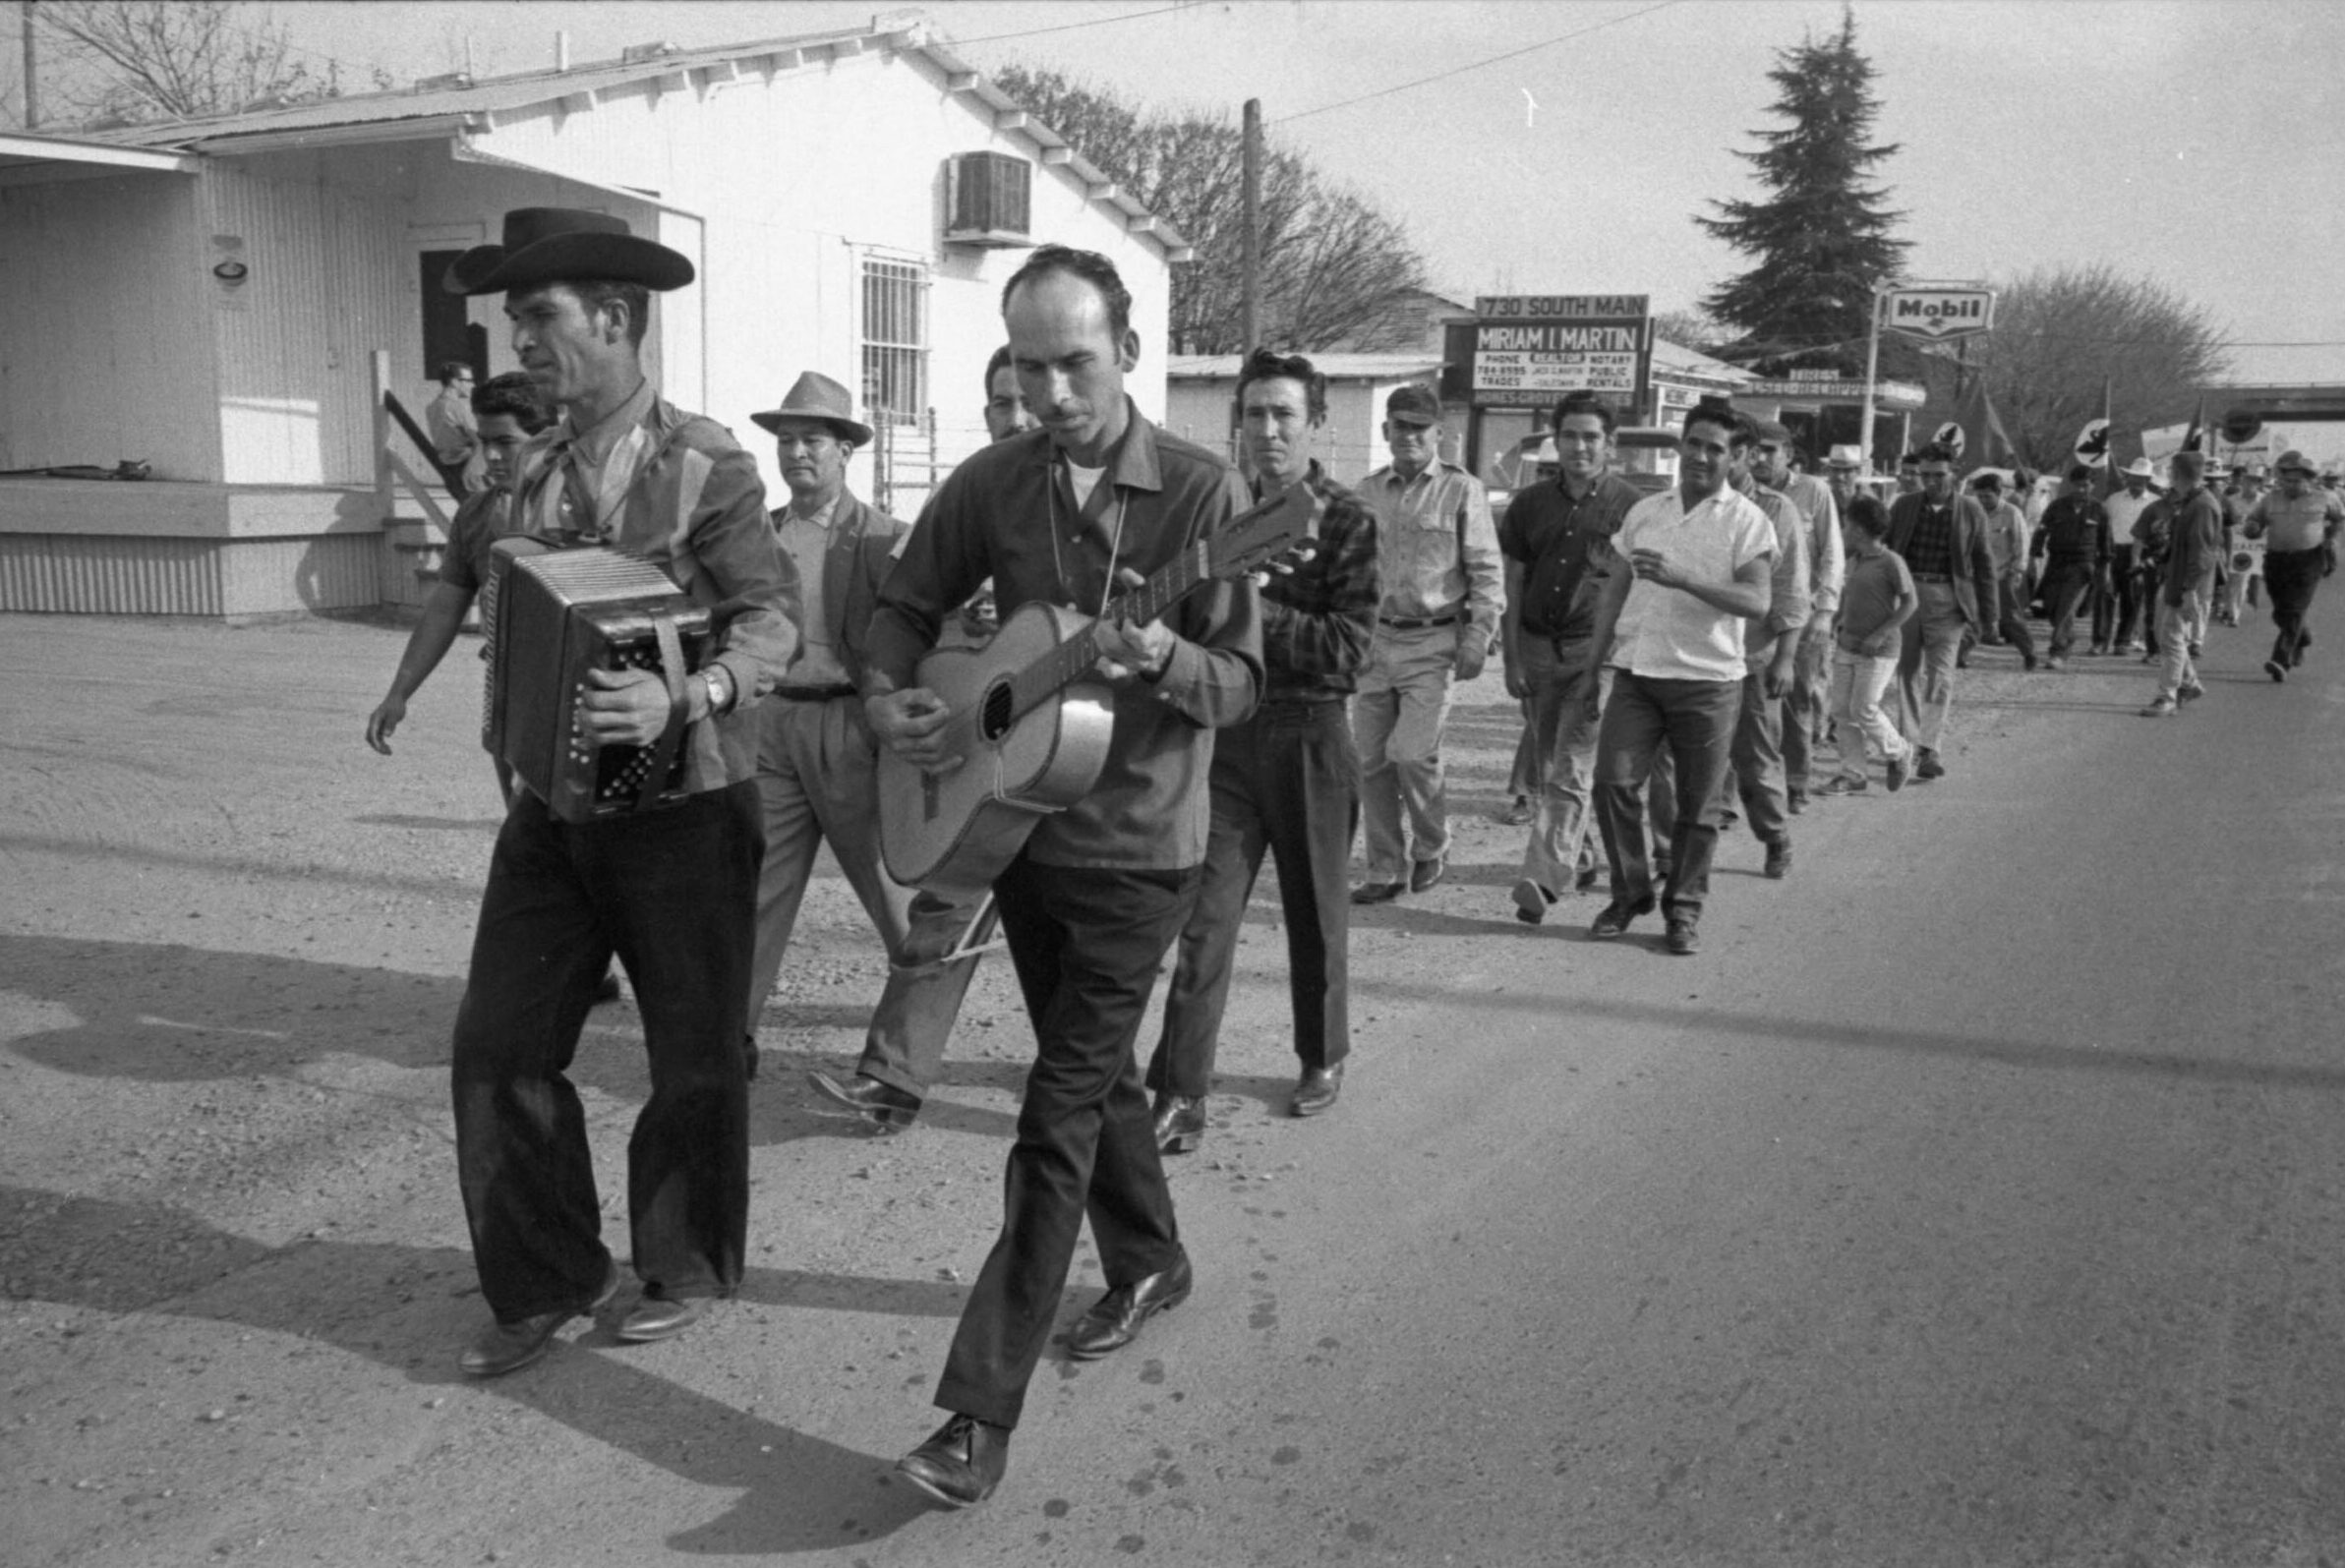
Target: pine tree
[(1822, 235)]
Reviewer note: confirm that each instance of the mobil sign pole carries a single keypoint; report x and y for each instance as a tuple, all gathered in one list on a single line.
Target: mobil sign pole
[(1936, 313)]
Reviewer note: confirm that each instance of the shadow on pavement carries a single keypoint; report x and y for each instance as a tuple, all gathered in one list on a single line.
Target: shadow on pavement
[(409, 1307)]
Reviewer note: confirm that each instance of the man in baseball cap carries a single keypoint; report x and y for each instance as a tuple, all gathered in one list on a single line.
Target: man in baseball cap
[(672, 890), (1444, 592)]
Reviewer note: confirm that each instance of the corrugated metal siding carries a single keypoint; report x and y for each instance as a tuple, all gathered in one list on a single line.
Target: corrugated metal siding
[(56, 574), (103, 355), (271, 576), (59, 574), (326, 253)]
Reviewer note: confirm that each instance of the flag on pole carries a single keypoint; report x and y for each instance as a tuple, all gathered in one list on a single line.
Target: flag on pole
[(1984, 441)]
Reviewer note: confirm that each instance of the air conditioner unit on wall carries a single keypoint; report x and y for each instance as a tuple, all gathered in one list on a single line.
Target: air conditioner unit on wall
[(989, 199)]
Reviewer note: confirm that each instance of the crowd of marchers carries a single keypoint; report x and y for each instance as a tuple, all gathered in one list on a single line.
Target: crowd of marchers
[(1738, 643)]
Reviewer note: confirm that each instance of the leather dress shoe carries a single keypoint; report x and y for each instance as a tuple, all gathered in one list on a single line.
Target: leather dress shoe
[(1612, 919), (1531, 900), (503, 1348), (657, 1317), (1683, 938), (1180, 1123), (1115, 1320), (961, 1463), (1378, 892), (883, 1105), (1426, 875), (1318, 1090), (1518, 813)]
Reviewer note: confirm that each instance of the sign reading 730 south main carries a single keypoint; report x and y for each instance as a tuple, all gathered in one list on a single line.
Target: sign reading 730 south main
[(1530, 350)]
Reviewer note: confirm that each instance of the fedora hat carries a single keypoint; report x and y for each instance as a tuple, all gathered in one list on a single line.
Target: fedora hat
[(1846, 455), (2292, 458), (816, 395), (564, 245), (2141, 468)]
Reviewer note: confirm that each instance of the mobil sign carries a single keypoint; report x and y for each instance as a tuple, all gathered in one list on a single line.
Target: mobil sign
[(1939, 314)]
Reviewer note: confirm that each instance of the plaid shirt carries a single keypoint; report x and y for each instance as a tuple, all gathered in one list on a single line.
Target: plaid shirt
[(1931, 548), (1318, 620)]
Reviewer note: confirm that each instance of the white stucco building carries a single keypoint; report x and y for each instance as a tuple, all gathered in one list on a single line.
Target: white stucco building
[(223, 299)]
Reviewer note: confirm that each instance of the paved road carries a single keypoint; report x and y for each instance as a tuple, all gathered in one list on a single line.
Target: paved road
[(1973, 1199)]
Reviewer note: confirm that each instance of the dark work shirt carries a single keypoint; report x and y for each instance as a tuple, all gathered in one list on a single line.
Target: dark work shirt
[(1549, 534), (2075, 532), (1008, 513), (1319, 619), (1929, 553)]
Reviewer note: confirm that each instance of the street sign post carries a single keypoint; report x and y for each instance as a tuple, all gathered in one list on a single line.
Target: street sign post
[(1939, 312)]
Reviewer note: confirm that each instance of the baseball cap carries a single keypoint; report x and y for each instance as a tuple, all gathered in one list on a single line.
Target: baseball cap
[(1414, 404)]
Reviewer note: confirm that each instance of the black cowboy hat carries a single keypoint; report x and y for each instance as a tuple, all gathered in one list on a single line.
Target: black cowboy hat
[(562, 245)]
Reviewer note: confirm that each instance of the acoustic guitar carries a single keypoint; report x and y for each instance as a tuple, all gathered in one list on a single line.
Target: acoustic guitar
[(1029, 721)]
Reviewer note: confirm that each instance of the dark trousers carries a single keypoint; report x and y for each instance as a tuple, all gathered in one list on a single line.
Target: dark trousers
[(1695, 721), (2065, 584), (2289, 577), (1285, 781), (1757, 756), (1085, 942), (2114, 605), (673, 892)]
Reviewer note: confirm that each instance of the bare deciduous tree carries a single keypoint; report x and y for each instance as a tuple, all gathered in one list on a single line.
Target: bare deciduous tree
[(1334, 267), (138, 60), (2061, 332)]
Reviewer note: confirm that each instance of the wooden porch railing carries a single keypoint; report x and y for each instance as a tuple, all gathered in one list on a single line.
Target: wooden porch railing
[(412, 544)]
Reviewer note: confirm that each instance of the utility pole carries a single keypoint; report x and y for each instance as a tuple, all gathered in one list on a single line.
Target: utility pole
[(1250, 314), (32, 95)]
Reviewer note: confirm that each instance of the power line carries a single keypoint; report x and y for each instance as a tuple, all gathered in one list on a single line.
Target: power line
[(1070, 26), (1444, 75)]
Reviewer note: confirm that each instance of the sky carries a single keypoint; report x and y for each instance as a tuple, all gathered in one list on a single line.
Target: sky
[(2201, 142)]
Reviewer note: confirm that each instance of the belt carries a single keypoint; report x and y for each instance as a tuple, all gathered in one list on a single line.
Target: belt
[(813, 693), (1421, 622), (1298, 705), (1931, 577)]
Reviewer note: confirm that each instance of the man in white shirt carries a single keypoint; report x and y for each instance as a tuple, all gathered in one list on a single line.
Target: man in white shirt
[(1670, 628), (2115, 629)]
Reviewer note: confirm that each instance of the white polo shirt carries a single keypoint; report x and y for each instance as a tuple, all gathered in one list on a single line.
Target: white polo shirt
[(1667, 633)]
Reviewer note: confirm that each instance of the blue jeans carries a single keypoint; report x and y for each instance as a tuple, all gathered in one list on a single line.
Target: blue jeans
[(1695, 720), (673, 892)]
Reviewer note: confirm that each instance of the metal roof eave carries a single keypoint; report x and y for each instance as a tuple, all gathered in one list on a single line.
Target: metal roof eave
[(23, 151), (463, 149)]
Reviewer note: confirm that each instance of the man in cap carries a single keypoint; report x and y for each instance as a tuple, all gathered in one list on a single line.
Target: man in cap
[(1775, 465), (1439, 555), (2298, 524), (1843, 476), (671, 891), (1698, 557), (1943, 537), (2074, 545), (2007, 542), (1091, 901), (1557, 536), (1284, 783)]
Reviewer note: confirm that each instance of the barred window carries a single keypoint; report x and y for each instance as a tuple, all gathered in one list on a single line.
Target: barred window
[(894, 340)]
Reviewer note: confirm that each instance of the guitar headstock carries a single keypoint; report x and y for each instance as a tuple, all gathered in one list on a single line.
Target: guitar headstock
[(1283, 524)]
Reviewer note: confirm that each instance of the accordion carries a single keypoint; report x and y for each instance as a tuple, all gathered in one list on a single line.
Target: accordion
[(551, 616)]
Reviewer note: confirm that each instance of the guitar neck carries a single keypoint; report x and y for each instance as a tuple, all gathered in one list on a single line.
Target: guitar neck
[(1069, 661)]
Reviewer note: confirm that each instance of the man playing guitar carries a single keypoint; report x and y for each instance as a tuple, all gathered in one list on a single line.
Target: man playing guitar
[(1093, 503)]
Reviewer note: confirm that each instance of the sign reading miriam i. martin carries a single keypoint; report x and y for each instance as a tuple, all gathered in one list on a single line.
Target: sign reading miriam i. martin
[(1938, 314), (1531, 349)]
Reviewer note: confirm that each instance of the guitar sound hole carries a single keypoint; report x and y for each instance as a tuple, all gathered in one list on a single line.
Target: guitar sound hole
[(993, 713)]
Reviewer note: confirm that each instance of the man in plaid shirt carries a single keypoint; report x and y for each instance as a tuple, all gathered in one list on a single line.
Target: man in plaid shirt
[(1286, 780)]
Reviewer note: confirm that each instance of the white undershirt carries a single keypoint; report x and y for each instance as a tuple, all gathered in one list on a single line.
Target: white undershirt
[(1084, 481)]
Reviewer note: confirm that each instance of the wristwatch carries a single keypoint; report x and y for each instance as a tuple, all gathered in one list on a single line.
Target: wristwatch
[(720, 689)]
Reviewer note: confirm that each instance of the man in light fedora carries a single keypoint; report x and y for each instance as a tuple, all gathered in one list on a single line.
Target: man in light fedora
[(818, 766), (671, 891)]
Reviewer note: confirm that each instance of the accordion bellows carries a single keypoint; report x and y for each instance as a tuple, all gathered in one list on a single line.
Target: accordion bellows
[(551, 616)]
